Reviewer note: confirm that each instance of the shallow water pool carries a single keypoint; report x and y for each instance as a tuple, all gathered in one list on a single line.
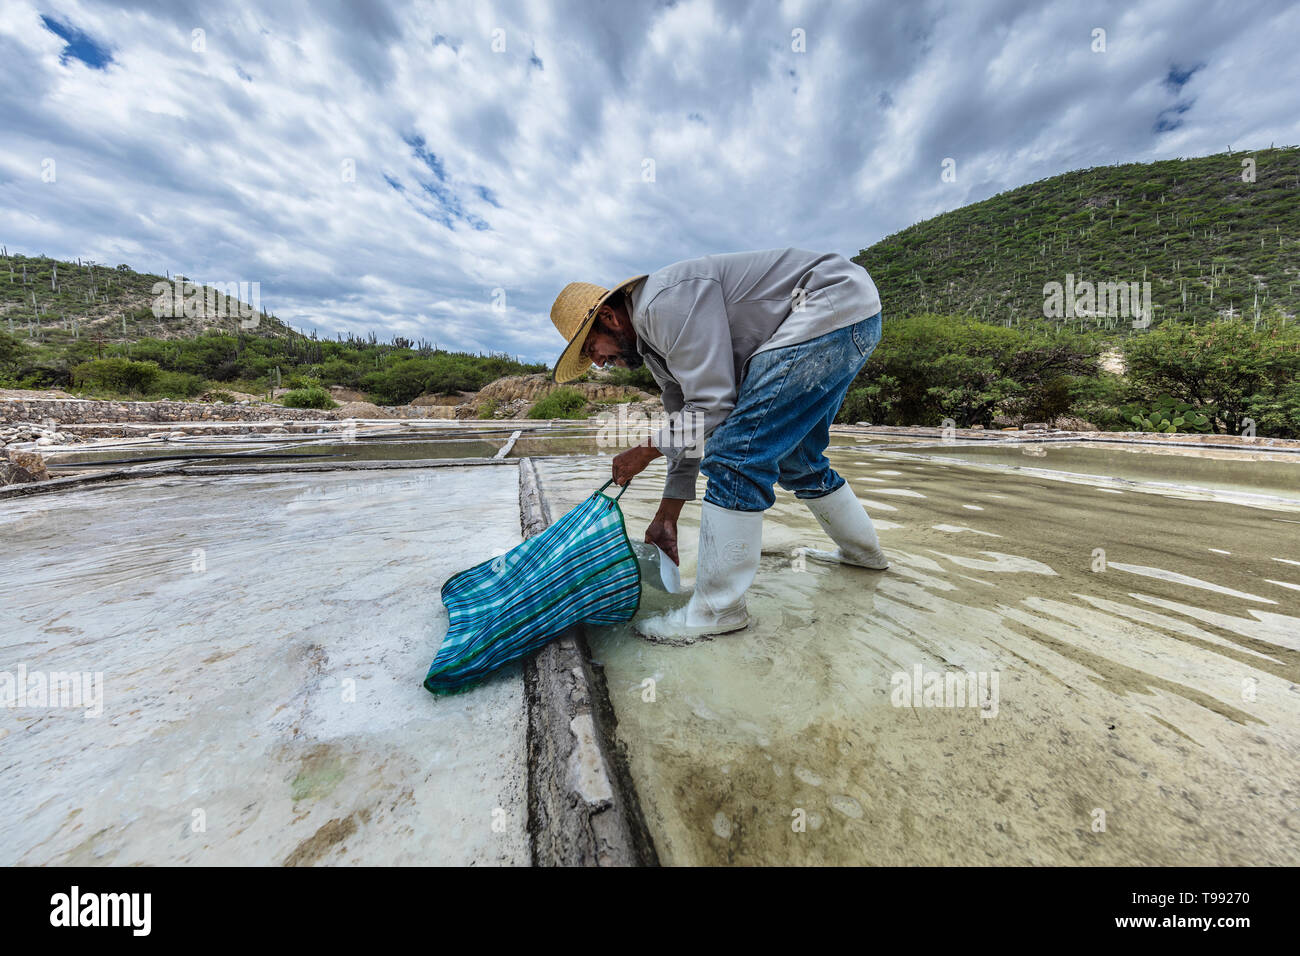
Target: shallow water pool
[(1050, 673)]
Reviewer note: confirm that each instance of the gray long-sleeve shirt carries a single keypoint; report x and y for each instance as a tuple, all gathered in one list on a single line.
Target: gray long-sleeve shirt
[(699, 321)]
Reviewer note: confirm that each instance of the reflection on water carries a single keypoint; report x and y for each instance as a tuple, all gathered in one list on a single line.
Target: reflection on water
[(1274, 473), (463, 443), (1144, 649)]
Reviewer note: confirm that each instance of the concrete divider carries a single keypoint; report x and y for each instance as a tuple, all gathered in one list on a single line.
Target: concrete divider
[(582, 805), (72, 411)]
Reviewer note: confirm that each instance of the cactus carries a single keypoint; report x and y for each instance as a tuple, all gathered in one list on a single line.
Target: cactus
[(1169, 416)]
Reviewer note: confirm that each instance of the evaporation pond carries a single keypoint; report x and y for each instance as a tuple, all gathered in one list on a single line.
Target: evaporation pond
[(1145, 649), (261, 642)]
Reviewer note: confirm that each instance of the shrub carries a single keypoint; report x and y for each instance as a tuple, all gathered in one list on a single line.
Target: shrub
[(118, 375), (931, 367), (308, 398), (1099, 399), (176, 385), (338, 371), (633, 378), (408, 378), (871, 402), (12, 355), (561, 403), (1226, 369), (487, 409), (1276, 413)]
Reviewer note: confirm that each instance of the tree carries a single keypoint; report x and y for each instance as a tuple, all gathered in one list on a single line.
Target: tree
[(1225, 368)]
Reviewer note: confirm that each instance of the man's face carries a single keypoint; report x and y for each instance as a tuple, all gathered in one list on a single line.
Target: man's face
[(603, 346), (606, 345)]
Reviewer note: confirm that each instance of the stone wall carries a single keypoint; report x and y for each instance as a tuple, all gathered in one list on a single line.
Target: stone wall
[(74, 411), (532, 388)]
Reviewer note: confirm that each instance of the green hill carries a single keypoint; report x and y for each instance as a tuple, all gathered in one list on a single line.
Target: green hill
[(1209, 243), (114, 332), (46, 300)]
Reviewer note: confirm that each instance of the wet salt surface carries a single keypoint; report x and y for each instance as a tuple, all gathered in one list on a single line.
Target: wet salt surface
[(262, 641), (373, 442), (1241, 469), (1145, 710)]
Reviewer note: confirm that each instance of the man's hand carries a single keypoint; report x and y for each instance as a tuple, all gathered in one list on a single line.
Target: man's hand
[(630, 463), (663, 530)]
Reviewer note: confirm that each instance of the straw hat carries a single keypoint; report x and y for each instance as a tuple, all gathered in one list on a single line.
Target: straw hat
[(573, 313)]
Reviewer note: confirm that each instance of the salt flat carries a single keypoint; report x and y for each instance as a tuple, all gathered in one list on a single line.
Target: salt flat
[(261, 641)]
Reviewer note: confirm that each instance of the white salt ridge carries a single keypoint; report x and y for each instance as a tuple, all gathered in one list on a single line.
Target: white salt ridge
[(807, 776), (958, 529), (877, 505), (842, 803), (1008, 563), (1177, 625), (1271, 628), (1176, 578)]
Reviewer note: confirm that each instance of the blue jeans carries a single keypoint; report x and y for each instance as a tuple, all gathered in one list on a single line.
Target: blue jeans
[(780, 427)]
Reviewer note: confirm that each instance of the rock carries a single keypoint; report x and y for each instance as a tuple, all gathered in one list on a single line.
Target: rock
[(1113, 361), (531, 388), (21, 467), (977, 428), (424, 411), (1034, 427), (32, 393), (1071, 424), (343, 395), (45, 440), (361, 410)]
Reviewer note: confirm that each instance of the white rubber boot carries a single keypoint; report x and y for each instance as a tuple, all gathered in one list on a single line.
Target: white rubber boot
[(730, 544), (843, 517)]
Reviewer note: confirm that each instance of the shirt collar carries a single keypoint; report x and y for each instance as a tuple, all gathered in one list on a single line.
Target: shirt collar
[(633, 293)]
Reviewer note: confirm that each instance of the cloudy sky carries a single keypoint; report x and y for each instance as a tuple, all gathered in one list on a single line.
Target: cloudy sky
[(442, 169)]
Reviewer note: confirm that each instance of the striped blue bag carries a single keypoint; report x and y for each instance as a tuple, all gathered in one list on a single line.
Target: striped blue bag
[(581, 568)]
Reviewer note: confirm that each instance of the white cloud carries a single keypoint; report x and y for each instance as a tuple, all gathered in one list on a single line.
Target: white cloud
[(227, 164)]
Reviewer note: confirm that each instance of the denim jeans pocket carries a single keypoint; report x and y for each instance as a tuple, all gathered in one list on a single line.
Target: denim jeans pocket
[(866, 335)]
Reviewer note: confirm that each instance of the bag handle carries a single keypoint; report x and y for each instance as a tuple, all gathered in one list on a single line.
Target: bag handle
[(601, 490)]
